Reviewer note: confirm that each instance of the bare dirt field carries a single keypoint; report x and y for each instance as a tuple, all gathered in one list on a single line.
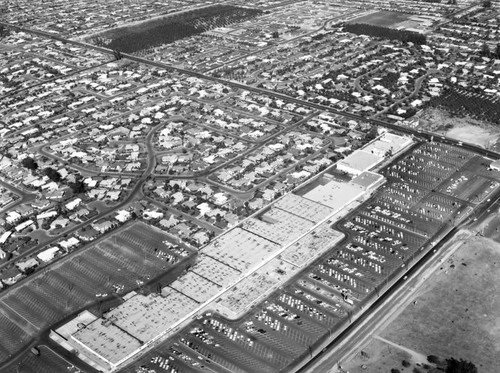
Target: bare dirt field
[(454, 314), (379, 357), (492, 228), (383, 18), (462, 129)]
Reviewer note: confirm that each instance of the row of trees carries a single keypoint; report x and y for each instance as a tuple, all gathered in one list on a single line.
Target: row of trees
[(450, 365), (385, 33)]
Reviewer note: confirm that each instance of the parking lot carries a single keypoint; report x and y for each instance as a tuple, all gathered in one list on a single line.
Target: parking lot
[(116, 265), (47, 362)]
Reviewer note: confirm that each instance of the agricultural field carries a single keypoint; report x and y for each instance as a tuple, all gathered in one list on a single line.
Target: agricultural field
[(383, 18), (129, 258), (168, 29), (461, 102)]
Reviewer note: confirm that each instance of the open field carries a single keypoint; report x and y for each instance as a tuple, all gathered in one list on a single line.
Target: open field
[(462, 128), (383, 18), (378, 357), (492, 228), (471, 134), (456, 311)]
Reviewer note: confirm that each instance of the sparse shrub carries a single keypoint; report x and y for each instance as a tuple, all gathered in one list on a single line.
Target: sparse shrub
[(460, 366), (433, 359), (394, 370), (405, 363)]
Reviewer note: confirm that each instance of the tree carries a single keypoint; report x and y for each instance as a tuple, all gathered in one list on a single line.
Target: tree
[(485, 50), (78, 187), (460, 366), (29, 163), (118, 55), (99, 41), (433, 359), (52, 174), (372, 133), (487, 4), (497, 51), (4, 32)]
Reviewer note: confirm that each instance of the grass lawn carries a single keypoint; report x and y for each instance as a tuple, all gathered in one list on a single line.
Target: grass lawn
[(456, 314), (382, 18)]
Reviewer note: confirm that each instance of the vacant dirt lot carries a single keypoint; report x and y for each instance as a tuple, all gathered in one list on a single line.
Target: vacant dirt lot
[(383, 18), (455, 315), (462, 129)]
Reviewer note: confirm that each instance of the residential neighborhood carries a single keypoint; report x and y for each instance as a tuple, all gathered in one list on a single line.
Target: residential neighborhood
[(192, 186)]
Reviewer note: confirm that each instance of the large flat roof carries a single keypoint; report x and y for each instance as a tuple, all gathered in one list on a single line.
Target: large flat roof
[(335, 194), (240, 249), (278, 226), (145, 317), (215, 271), (195, 287), (72, 326), (107, 340), (239, 298), (303, 207), (312, 245), (359, 161), (388, 141), (367, 179)]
